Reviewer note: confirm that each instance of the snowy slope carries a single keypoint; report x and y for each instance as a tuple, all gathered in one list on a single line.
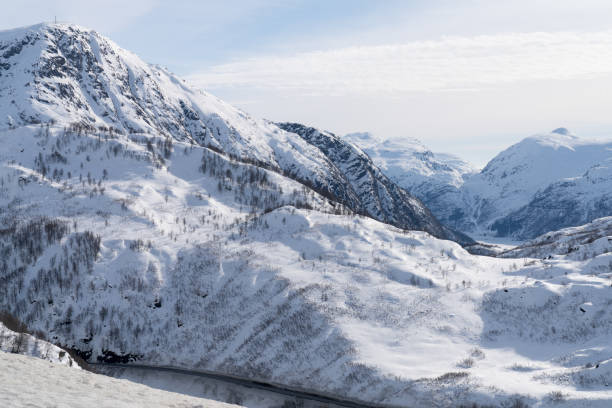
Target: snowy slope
[(579, 243), (333, 302), (64, 74), (31, 382), (379, 196), (26, 344), (182, 275), (136, 246)]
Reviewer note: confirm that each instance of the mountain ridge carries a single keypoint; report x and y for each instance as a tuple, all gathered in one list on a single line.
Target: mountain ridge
[(542, 183), (74, 75)]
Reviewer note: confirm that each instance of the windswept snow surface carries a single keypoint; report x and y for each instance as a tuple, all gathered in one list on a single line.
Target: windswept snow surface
[(31, 382)]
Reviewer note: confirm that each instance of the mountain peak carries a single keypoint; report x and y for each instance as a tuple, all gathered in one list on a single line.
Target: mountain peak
[(42, 28), (65, 74), (561, 131)]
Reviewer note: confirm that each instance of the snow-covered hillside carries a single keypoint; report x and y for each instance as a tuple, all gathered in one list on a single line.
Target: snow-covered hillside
[(64, 74), (145, 245), (578, 243), (31, 382), (181, 275)]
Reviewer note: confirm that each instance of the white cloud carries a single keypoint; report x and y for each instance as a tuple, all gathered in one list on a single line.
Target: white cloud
[(447, 64)]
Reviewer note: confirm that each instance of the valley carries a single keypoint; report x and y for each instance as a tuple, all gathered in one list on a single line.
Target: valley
[(145, 223)]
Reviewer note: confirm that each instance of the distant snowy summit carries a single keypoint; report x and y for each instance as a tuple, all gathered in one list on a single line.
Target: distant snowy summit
[(561, 131), (545, 182), (410, 163)]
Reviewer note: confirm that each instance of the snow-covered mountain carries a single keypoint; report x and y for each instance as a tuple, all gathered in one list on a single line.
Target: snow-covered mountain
[(71, 75), (379, 194), (219, 251), (543, 183), (410, 163)]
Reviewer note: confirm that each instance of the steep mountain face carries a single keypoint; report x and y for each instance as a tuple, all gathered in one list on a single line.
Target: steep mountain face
[(67, 74), (377, 195)]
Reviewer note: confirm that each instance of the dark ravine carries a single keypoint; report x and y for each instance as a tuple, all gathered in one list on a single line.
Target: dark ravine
[(312, 395)]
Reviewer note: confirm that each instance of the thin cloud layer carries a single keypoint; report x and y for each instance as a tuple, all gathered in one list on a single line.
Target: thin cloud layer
[(449, 63)]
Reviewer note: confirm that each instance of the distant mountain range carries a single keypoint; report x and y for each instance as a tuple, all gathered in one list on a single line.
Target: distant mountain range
[(543, 183)]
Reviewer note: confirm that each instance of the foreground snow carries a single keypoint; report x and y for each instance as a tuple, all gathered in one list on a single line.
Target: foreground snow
[(31, 382), (26, 344)]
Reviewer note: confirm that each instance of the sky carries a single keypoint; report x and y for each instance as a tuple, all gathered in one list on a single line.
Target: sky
[(468, 77)]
